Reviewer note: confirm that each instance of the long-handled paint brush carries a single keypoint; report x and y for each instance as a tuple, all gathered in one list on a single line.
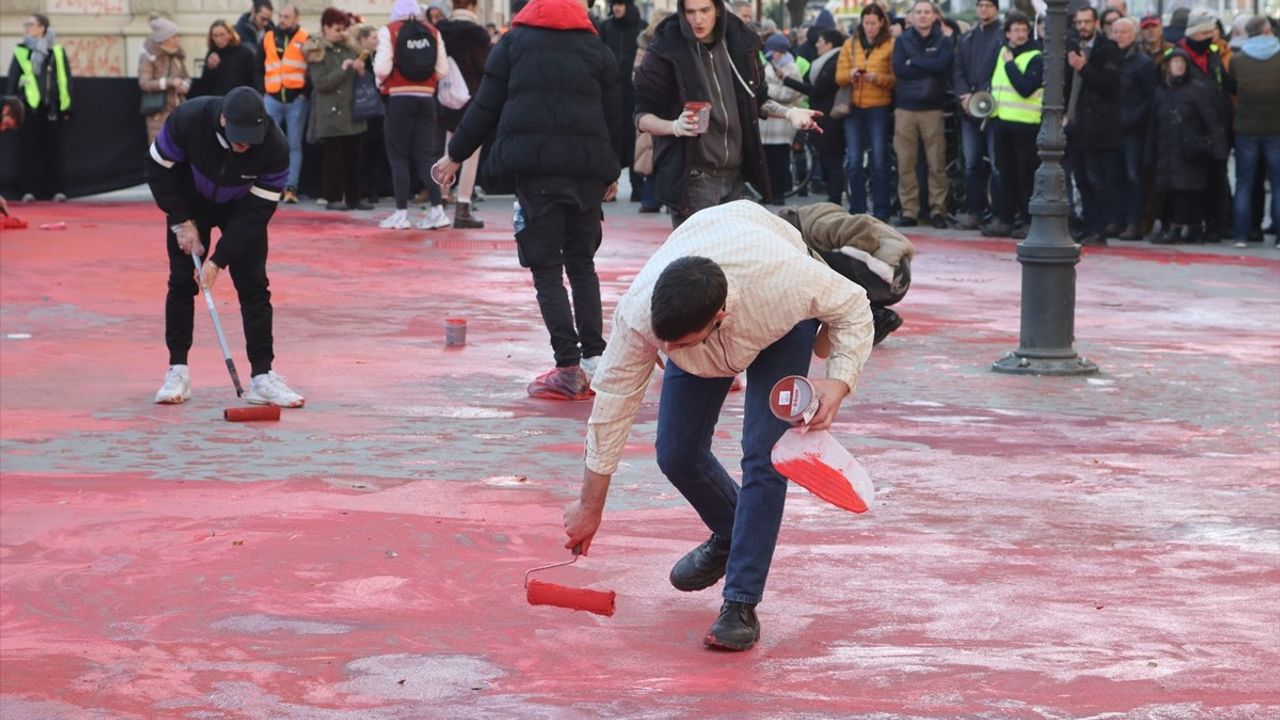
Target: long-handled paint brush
[(237, 414), (542, 593)]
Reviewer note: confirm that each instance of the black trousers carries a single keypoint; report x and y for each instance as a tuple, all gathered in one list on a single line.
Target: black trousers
[(375, 175), (342, 168), (777, 160), (1095, 173), (561, 235), (410, 129), (1187, 207), (41, 154), (1016, 162), (248, 274)]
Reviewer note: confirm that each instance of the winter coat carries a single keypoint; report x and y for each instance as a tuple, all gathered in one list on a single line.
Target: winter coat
[(856, 55), (468, 43), (1256, 69), (620, 35), (1096, 123), (250, 37), (1137, 87), (161, 71), (332, 89), (194, 173), (779, 131), (975, 57), (819, 84), (667, 78), (550, 90), (922, 68), (1182, 117), (236, 67), (860, 247)]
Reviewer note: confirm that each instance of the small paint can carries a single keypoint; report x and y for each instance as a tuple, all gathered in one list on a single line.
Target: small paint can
[(793, 399), (455, 332), (703, 109)]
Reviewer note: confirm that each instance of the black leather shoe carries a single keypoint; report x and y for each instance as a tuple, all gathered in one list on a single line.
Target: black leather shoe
[(905, 221), (885, 322), (737, 628), (702, 566), (1093, 240), (940, 222)]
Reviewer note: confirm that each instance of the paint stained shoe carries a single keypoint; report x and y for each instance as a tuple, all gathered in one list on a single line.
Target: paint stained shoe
[(737, 628), (739, 383), (434, 219), (702, 566), (562, 383), (270, 389), (177, 386)]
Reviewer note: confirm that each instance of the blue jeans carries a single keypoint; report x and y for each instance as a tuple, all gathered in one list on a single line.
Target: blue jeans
[(978, 143), (1249, 150), (687, 415), (292, 118), (1130, 214), (868, 129)]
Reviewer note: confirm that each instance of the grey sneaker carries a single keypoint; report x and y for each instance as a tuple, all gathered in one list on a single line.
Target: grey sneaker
[(177, 386), (270, 389)]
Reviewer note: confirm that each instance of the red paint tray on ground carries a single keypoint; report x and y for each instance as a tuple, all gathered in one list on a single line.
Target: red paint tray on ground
[(819, 464)]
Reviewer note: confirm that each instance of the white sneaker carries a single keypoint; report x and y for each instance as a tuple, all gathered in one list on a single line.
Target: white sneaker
[(398, 220), (177, 386), (589, 365), (269, 389), (434, 218)]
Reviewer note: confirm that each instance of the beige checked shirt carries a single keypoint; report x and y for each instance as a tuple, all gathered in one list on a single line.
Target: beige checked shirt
[(774, 283)]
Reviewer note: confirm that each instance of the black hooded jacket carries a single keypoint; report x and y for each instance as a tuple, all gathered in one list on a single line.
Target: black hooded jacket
[(668, 78)]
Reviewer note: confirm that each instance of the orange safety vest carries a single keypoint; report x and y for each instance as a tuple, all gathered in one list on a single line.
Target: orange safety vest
[(290, 72)]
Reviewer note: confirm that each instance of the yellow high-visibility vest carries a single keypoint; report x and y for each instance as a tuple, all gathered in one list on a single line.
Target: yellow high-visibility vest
[(1010, 106), (31, 84)]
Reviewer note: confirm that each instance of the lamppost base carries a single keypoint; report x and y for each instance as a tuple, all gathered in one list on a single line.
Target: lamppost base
[(1016, 364)]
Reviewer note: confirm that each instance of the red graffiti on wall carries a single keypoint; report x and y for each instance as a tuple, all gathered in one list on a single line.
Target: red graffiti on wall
[(98, 56)]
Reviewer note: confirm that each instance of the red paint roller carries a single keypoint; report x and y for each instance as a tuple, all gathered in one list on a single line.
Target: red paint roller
[(252, 413), (542, 593)]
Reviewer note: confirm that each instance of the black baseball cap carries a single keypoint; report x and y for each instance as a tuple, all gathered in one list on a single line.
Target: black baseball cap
[(246, 118)]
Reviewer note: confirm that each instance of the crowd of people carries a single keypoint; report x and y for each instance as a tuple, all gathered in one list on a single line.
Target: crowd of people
[(1153, 113)]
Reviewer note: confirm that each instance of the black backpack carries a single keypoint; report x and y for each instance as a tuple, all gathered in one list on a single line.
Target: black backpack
[(415, 56)]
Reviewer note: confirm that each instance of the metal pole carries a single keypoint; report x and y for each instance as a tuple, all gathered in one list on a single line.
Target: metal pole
[(1048, 255)]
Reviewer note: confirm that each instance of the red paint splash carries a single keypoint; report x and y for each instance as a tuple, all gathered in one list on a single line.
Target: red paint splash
[(593, 601), (811, 473)]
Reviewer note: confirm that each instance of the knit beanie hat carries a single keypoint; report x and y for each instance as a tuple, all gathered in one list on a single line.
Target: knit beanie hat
[(162, 29), (1201, 21), (777, 42)]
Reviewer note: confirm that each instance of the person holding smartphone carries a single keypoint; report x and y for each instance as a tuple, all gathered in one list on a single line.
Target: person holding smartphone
[(866, 66)]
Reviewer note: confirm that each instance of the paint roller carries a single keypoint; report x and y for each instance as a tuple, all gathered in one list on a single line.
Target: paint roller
[(236, 414), (544, 593)]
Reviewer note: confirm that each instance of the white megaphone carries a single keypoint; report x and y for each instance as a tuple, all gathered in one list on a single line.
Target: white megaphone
[(980, 105)]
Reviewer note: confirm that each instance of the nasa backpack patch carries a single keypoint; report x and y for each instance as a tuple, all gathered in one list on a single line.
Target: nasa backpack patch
[(415, 56)]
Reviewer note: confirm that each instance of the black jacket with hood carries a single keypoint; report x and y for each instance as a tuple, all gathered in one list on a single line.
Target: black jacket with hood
[(550, 89), (1186, 132), (667, 78)]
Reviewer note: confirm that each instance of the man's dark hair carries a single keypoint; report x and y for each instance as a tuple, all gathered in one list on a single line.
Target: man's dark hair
[(258, 5), (686, 298), (1089, 9), (41, 20), (1014, 18), (834, 37), (15, 109)]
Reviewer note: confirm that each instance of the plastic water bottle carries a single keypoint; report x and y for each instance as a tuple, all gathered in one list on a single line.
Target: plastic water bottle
[(517, 218)]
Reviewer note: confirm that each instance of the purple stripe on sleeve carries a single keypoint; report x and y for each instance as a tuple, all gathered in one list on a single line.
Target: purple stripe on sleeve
[(274, 181), (168, 148)]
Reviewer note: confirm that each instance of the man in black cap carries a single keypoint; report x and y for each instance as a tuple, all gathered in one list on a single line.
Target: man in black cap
[(220, 162)]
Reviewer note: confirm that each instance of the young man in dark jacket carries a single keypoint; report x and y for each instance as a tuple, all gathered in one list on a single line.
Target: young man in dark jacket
[(971, 72), (253, 25), (922, 65), (1094, 138), (550, 90), (705, 54), (220, 162)]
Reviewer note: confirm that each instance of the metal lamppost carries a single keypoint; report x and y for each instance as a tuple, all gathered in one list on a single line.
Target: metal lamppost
[(1048, 255)]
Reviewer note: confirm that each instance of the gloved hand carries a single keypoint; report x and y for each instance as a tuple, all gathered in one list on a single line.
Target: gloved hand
[(801, 119), (189, 239), (686, 125)]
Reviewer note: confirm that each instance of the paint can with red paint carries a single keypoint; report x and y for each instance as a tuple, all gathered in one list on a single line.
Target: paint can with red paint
[(703, 109), (794, 400), (455, 332)]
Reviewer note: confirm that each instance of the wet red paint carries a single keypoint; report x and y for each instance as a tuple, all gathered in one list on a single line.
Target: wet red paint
[(813, 474), (592, 601), (365, 557)]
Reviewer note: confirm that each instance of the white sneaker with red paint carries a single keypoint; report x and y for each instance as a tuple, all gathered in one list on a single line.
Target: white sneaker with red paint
[(434, 218), (270, 389), (177, 386)]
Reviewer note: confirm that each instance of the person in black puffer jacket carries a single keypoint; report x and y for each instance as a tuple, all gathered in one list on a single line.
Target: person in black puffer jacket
[(550, 90), (1185, 138)]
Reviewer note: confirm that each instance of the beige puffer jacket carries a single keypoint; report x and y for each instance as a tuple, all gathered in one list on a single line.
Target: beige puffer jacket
[(827, 227)]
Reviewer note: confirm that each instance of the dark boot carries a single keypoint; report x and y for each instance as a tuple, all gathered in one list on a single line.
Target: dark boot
[(737, 628), (1112, 230), (702, 566), (885, 322), (463, 219), (1171, 235), (1130, 233)]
